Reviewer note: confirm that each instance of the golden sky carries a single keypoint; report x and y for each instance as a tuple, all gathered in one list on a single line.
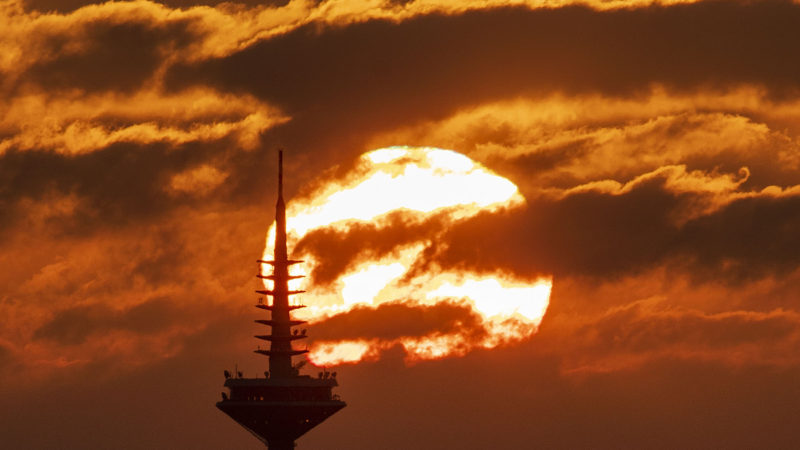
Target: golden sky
[(630, 167)]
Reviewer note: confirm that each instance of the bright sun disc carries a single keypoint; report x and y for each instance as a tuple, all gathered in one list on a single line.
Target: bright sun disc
[(422, 182)]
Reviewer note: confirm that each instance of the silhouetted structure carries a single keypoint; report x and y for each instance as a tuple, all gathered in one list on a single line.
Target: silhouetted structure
[(283, 405)]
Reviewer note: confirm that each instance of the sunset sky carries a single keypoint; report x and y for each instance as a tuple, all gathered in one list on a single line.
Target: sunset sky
[(526, 224)]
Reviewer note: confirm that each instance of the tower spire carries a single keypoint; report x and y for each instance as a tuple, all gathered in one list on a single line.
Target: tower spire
[(280, 254), (280, 175), (280, 351)]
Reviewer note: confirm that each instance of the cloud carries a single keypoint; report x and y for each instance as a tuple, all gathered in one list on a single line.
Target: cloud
[(98, 46), (115, 156), (117, 45), (122, 184), (368, 66), (114, 186), (711, 224), (131, 296), (240, 70), (622, 335), (199, 180), (607, 230), (339, 250), (749, 238), (234, 49), (631, 328), (567, 140), (74, 124), (391, 321), (75, 325), (71, 5)]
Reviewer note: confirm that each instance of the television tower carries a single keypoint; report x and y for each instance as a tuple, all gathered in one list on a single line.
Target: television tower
[(283, 405)]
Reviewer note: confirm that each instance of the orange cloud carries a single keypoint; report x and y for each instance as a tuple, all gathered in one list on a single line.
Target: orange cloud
[(199, 180), (125, 297), (226, 28), (634, 334), (576, 139), (77, 123)]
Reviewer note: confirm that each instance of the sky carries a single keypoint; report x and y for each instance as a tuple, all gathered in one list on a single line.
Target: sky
[(604, 254)]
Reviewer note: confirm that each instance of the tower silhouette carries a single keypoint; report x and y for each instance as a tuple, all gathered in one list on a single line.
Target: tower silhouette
[(283, 405)]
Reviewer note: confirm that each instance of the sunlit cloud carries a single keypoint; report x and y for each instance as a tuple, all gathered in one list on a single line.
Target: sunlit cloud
[(199, 180), (78, 123), (121, 295), (224, 29), (570, 140)]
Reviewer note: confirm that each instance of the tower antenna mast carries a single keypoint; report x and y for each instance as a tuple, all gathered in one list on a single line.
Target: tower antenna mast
[(283, 405)]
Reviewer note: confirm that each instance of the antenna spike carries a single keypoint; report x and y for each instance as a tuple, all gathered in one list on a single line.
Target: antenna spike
[(280, 173)]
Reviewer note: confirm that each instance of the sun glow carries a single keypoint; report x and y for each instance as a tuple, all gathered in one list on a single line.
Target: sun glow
[(500, 301), (341, 352), (422, 180), (365, 285), (421, 183)]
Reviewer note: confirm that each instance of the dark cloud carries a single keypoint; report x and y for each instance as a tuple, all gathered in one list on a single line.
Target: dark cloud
[(390, 321), (108, 56), (71, 5), (379, 75), (121, 184), (74, 325), (602, 235), (588, 233), (337, 251), (159, 258), (749, 238)]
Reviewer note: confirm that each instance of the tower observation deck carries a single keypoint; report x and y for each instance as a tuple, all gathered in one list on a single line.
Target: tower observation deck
[(283, 405)]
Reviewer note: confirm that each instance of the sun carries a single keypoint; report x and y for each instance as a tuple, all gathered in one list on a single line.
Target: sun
[(421, 183)]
